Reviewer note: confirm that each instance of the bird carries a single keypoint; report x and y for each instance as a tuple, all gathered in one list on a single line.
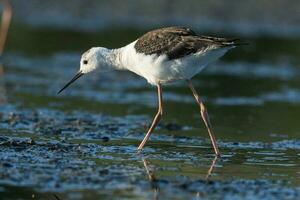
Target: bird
[(161, 56)]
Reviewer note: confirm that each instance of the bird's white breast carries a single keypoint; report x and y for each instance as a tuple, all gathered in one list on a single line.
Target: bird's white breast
[(156, 68)]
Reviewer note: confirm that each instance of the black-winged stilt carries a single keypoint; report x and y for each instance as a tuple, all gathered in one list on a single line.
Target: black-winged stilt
[(161, 56)]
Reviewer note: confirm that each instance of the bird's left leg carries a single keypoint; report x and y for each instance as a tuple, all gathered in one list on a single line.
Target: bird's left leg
[(156, 118), (205, 117)]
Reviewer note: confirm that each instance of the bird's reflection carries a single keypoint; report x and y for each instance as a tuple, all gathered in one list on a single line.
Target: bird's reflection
[(155, 182), (212, 166), (3, 98), (208, 174), (152, 178)]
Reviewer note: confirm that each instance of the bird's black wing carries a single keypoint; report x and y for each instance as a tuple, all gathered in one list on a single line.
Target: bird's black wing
[(177, 42)]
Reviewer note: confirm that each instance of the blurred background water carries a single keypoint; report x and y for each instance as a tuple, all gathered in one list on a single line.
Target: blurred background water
[(82, 144)]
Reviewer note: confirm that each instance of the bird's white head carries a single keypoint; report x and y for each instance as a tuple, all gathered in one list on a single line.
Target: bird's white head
[(95, 58)]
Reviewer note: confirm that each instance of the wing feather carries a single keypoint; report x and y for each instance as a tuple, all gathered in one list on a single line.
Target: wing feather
[(177, 42)]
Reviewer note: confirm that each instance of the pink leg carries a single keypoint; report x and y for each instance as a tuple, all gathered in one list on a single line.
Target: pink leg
[(205, 117), (156, 118), (6, 18)]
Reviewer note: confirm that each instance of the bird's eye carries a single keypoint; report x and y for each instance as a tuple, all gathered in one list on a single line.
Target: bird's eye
[(85, 62)]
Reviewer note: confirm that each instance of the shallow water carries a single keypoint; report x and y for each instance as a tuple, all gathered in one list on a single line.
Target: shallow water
[(82, 144)]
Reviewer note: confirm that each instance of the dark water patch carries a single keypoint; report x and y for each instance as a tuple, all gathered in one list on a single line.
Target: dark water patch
[(282, 71), (286, 95), (55, 40)]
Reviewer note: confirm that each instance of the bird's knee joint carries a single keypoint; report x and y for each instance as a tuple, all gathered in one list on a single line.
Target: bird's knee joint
[(202, 107), (160, 113)]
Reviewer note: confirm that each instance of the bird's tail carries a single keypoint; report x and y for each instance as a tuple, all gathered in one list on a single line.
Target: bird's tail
[(232, 42), (225, 42)]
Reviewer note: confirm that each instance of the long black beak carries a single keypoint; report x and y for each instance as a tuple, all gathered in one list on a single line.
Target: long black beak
[(77, 76)]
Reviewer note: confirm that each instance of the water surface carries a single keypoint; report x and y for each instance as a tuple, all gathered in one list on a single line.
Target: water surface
[(82, 144)]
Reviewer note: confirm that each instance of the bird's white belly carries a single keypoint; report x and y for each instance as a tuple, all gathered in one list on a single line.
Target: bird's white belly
[(158, 69)]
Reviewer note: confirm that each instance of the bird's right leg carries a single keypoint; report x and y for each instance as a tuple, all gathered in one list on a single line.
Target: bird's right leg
[(156, 118), (205, 117)]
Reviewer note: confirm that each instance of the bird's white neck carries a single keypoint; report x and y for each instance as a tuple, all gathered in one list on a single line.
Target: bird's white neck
[(108, 59), (113, 59)]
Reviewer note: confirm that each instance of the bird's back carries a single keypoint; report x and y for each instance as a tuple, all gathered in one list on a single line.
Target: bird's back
[(172, 53), (178, 42)]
